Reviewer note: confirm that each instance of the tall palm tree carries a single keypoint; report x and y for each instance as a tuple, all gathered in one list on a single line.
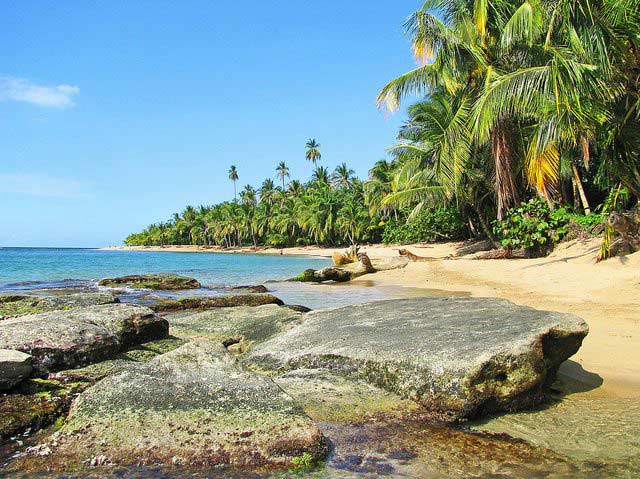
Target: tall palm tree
[(233, 176), (283, 172), (313, 151)]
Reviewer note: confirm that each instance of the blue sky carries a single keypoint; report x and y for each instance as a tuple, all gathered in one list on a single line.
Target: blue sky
[(115, 114)]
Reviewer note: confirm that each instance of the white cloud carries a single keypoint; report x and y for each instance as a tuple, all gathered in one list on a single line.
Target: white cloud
[(21, 89), (40, 185)]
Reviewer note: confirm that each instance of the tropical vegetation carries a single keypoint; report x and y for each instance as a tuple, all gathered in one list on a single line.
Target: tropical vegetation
[(525, 108)]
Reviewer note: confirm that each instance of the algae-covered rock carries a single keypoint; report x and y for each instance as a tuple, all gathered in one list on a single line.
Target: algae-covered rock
[(330, 273), (212, 302), (71, 338), (152, 281), (34, 404), (240, 326), (138, 354), (192, 406), (329, 397), (459, 357), (20, 305), (15, 366)]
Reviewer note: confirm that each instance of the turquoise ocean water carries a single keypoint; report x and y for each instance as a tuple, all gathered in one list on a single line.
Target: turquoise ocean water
[(29, 269)]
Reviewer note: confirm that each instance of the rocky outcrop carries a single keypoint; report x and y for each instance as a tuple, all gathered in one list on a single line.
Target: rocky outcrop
[(236, 328), (66, 339), (342, 274), (211, 302), (19, 305), (258, 288), (192, 406), (15, 366), (458, 357), (166, 282)]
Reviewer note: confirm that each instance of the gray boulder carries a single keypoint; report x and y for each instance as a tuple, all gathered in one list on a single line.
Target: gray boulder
[(76, 337), (15, 366), (458, 357), (192, 406)]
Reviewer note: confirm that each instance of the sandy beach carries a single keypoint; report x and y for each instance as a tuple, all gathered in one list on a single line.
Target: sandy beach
[(606, 295)]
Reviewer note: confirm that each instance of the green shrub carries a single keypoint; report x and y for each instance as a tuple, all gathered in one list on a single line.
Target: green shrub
[(277, 240), (533, 226), (303, 462), (429, 225)]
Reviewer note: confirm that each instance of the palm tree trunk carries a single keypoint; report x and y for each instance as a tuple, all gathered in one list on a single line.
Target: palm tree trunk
[(505, 184), (578, 184)]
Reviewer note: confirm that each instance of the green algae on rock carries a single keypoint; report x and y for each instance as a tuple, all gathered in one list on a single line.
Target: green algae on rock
[(163, 305), (192, 406), (329, 397), (20, 305), (459, 357), (240, 326), (35, 404), (159, 281), (140, 353), (76, 337)]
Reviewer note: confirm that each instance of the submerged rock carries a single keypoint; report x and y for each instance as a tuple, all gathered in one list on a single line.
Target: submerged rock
[(20, 305), (192, 406), (211, 302), (330, 273), (65, 339), (152, 281), (459, 357), (259, 288), (15, 366), (238, 327)]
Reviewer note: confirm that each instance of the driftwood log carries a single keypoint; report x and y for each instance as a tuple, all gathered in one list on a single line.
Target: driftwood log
[(414, 257)]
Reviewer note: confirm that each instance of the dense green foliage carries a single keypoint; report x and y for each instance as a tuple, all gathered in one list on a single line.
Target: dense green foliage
[(532, 226), (436, 224), (523, 99)]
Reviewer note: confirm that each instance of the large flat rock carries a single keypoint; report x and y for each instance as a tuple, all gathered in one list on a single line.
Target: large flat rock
[(459, 357), (65, 339), (192, 406), (239, 327)]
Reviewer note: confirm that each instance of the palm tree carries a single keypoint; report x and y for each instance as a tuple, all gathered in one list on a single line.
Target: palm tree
[(248, 196), (267, 191), (295, 188), (320, 176), (313, 151), (233, 176), (283, 172), (342, 176)]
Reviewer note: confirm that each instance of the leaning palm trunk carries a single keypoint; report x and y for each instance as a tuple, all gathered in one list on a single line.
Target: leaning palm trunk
[(578, 185), (505, 184)]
